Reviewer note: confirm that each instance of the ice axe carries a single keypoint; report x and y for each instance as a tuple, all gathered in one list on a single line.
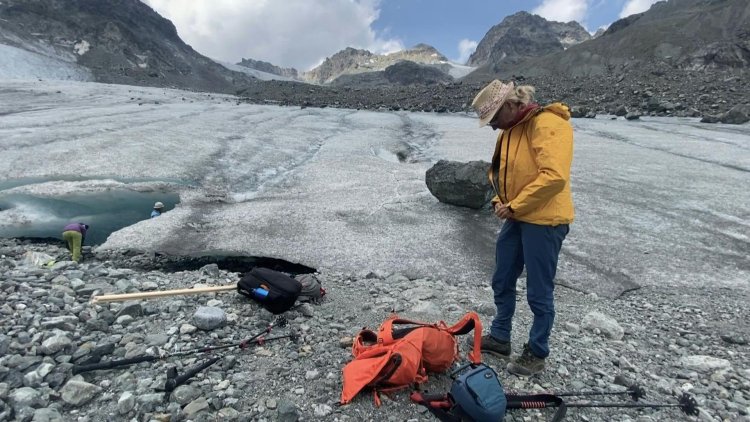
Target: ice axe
[(163, 293)]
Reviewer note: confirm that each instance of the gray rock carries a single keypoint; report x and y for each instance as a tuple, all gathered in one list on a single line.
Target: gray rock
[(55, 344), (55, 379), (4, 344), (604, 324), (633, 115), (65, 322), (703, 363), (228, 414), (579, 111), (125, 381), (306, 310), (312, 374), (462, 184), (184, 394), (124, 320), (208, 318), (125, 403), (571, 328), (157, 339), (187, 329), (47, 414), (737, 115), (287, 411), (77, 392), (149, 286), (211, 270), (195, 406), (710, 119), (132, 308), (735, 338), (96, 324), (150, 400), (35, 377), (25, 397)]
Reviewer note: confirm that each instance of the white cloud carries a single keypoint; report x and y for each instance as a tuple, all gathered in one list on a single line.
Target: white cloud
[(636, 6), (562, 10), (290, 33), (465, 48)]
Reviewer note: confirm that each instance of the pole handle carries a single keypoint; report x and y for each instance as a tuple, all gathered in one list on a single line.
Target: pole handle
[(79, 369)]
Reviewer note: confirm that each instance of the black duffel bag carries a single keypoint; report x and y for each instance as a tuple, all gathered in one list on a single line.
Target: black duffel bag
[(273, 290)]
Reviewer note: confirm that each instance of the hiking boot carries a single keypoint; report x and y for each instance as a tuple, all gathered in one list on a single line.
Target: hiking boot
[(491, 345), (527, 364)]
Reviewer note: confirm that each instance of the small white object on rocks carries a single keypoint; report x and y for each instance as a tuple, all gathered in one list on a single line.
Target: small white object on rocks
[(322, 410), (187, 329)]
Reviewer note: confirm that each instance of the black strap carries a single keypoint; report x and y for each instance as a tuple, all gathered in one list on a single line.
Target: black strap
[(538, 401)]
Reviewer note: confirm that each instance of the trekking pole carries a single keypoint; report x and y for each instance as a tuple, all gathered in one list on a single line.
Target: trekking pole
[(635, 392), (281, 321), (687, 403)]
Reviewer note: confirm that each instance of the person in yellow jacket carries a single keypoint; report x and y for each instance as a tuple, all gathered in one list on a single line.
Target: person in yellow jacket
[(530, 174)]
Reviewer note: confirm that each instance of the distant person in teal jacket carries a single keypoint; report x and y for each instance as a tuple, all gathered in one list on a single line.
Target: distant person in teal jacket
[(74, 234), (158, 208)]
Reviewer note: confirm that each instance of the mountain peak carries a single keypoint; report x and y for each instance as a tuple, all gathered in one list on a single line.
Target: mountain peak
[(522, 35)]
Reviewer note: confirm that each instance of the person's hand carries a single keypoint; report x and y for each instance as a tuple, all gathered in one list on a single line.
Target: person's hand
[(503, 211)]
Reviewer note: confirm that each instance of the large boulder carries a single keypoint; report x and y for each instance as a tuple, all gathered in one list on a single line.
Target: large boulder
[(462, 184), (738, 115)]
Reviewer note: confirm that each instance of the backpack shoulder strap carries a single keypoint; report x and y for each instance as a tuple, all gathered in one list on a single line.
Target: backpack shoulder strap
[(385, 332), (469, 322), (365, 340)]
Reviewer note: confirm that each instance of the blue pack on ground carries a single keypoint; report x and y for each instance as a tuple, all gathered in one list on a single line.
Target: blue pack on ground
[(478, 395)]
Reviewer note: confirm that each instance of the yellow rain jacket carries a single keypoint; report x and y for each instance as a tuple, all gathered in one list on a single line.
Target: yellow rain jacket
[(531, 167)]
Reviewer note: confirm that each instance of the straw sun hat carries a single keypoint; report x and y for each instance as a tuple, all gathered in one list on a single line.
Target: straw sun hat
[(490, 99)]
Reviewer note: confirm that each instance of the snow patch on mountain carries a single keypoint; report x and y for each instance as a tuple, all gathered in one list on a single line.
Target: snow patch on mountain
[(264, 76), (458, 71), (16, 63)]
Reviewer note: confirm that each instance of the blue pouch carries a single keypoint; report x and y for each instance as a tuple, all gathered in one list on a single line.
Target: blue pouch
[(478, 395)]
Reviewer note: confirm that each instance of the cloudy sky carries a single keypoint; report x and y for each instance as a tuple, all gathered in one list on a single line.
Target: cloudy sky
[(302, 33)]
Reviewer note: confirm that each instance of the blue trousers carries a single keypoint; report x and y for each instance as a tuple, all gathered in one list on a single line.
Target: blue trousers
[(537, 247)]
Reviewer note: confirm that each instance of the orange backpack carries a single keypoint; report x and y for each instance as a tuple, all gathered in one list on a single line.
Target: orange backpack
[(397, 358)]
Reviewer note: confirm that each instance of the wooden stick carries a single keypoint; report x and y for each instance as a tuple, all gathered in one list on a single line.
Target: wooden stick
[(163, 293)]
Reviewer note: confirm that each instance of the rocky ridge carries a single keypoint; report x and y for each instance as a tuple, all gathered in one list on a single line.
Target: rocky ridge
[(399, 74), (123, 42), (663, 35), (354, 61), (669, 341), (657, 90)]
